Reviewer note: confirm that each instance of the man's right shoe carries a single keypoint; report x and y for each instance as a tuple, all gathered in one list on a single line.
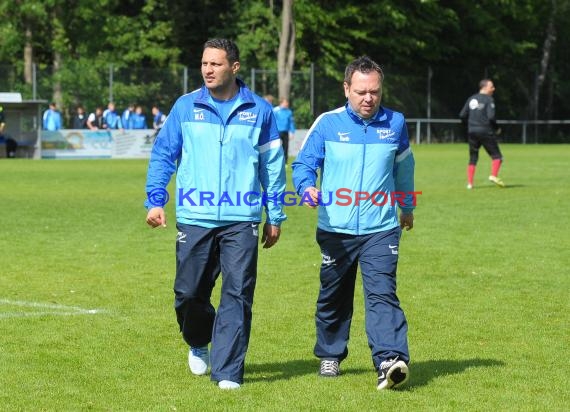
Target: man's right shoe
[(198, 360), (496, 181), (392, 373), (329, 368)]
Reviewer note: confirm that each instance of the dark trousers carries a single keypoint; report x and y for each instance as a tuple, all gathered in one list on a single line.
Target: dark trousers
[(201, 254), (488, 141), (284, 136), (386, 325)]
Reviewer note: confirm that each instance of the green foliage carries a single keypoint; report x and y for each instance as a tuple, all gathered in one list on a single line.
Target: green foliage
[(462, 41), (257, 34)]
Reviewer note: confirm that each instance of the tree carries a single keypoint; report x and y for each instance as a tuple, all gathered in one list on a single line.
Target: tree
[(286, 54)]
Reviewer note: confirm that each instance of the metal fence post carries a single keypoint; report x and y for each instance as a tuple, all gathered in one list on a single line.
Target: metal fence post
[(418, 126)]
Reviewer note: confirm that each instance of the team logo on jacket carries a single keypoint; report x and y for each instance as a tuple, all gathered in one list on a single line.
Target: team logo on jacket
[(343, 136), (199, 114), (385, 133), (475, 105), (247, 117)]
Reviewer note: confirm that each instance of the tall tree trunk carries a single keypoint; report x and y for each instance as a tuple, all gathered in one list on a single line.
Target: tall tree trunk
[(57, 93), (286, 53), (28, 57), (58, 42), (546, 53)]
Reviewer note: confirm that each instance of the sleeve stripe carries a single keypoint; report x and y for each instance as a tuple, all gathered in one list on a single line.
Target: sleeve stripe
[(269, 145), (403, 155)]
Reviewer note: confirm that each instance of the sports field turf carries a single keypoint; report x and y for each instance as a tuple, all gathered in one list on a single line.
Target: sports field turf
[(86, 318)]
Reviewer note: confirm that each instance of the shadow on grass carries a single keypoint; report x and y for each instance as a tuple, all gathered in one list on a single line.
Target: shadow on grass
[(270, 372), (421, 373), (507, 186)]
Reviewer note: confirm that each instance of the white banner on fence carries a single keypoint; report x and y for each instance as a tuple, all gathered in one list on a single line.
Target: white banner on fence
[(132, 144), (114, 144), (102, 144)]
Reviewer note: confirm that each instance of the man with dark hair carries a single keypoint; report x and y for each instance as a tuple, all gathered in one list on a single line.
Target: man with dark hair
[(361, 150), (478, 113), (223, 143)]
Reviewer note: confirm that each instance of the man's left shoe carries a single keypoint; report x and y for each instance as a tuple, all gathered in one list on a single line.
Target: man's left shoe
[(496, 181), (228, 385), (392, 373)]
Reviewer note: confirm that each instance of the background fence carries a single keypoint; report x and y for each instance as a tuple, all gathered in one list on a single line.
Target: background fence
[(429, 105)]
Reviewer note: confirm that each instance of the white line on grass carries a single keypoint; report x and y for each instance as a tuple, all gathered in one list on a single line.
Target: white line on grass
[(53, 309)]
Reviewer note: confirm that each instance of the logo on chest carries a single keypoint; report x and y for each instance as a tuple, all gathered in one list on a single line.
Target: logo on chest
[(198, 114), (385, 133), (247, 117), (343, 136)]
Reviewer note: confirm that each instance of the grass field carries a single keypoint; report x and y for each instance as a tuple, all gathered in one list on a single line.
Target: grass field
[(86, 318)]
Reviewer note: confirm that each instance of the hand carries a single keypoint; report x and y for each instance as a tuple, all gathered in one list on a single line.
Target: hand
[(406, 221), (270, 235), (156, 217), (313, 194)]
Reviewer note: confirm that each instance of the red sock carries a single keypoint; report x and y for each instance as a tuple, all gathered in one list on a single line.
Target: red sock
[(470, 174), (495, 166)]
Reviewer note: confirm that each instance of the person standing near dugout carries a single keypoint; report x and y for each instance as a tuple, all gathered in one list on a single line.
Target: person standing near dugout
[(482, 129), (364, 148), (285, 124)]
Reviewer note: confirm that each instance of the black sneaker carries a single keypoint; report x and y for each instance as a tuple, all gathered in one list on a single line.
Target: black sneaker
[(392, 373), (329, 368)]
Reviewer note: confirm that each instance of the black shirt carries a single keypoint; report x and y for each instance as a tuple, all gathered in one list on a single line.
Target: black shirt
[(479, 111)]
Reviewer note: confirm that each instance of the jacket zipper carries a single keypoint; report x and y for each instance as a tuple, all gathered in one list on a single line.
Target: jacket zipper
[(361, 179)]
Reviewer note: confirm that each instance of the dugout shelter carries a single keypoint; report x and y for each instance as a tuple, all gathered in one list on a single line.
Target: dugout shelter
[(23, 120)]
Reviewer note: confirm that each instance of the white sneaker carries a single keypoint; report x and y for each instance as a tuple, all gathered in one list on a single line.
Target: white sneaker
[(198, 360), (496, 181), (228, 385), (392, 373), (469, 186)]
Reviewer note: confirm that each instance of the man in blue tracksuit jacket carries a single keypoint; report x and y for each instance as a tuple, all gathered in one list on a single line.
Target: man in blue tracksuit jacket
[(222, 142), (285, 124), (367, 173), (51, 119)]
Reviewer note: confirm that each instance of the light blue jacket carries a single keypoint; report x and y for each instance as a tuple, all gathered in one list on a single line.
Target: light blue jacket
[(52, 120), (357, 159), (222, 169), (112, 119), (285, 119)]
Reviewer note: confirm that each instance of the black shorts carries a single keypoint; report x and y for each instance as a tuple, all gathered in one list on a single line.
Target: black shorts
[(488, 141)]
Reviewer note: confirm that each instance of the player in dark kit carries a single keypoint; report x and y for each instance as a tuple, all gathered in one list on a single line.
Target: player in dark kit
[(479, 114)]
